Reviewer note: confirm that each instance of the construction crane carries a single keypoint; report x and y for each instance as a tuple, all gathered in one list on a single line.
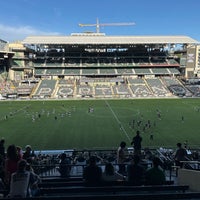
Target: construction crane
[(98, 25)]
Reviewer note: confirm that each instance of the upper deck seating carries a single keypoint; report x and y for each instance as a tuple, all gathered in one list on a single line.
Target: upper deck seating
[(123, 71), (40, 71), (89, 71), (174, 71), (71, 71), (54, 71), (142, 71), (109, 71), (160, 71)]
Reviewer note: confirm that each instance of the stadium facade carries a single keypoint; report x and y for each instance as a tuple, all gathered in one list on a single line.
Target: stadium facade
[(94, 65)]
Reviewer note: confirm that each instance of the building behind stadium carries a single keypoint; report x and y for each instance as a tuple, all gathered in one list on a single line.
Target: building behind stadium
[(94, 65)]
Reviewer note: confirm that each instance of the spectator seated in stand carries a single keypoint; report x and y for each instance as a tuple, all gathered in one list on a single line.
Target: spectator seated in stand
[(135, 172), (64, 166), (21, 181), (92, 174), (110, 174), (29, 155), (155, 175)]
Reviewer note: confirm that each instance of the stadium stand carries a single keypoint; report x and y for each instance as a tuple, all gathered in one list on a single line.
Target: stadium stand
[(73, 187), (40, 72), (99, 56), (142, 71), (124, 71), (65, 92), (89, 71), (121, 90), (51, 71), (103, 91), (157, 87), (71, 72), (45, 89), (85, 91)]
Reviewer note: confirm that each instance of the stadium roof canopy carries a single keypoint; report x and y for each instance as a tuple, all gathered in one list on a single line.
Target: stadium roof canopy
[(106, 40)]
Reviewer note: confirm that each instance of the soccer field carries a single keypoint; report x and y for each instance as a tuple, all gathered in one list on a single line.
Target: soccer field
[(82, 124)]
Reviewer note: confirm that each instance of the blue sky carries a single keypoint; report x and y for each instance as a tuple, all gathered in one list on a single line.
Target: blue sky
[(20, 18)]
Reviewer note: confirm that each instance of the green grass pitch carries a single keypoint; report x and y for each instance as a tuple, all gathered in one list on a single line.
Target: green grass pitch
[(49, 125)]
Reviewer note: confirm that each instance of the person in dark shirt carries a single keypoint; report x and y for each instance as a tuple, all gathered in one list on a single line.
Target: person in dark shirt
[(64, 166), (92, 174), (155, 175), (180, 155), (136, 142), (135, 172), (29, 155), (2, 148)]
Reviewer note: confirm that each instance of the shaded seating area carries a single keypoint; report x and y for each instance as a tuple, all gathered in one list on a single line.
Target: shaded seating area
[(74, 187), (142, 71), (55, 71), (160, 71), (89, 71), (195, 89), (173, 62), (71, 71), (107, 71), (40, 71), (174, 71), (124, 71)]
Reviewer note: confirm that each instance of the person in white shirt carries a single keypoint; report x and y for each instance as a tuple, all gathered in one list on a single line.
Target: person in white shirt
[(21, 181)]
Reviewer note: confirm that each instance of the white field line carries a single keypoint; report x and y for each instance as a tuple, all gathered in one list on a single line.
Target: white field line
[(118, 121)]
